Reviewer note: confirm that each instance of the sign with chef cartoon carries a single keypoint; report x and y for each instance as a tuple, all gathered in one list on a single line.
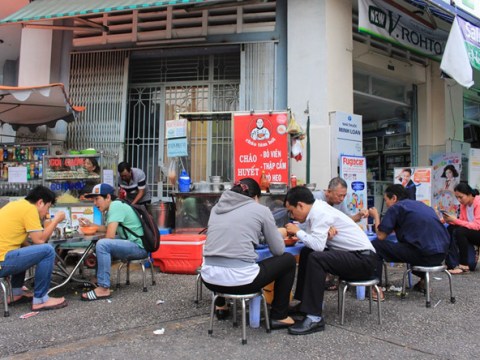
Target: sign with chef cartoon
[(261, 144)]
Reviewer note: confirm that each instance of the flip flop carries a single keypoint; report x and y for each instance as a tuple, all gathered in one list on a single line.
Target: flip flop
[(21, 300), (92, 296), (53, 307), (459, 270)]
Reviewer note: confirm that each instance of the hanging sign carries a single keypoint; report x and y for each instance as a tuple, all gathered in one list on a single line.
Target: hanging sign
[(176, 128), (177, 147), (398, 25), (261, 144)]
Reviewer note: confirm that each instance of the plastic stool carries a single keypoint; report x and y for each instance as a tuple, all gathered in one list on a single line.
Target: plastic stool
[(142, 262), (7, 291), (427, 270), (385, 269), (342, 290), (242, 298)]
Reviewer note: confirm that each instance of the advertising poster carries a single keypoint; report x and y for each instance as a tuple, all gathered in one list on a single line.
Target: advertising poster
[(417, 181), (446, 175), (353, 169), (261, 144), (347, 137), (474, 169)]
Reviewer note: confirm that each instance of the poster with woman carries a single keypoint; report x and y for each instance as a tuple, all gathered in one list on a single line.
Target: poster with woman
[(417, 181), (446, 175)]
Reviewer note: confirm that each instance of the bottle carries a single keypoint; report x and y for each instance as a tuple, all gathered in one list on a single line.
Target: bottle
[(254, 311), (264, 183), (184, 182), (293, 181)]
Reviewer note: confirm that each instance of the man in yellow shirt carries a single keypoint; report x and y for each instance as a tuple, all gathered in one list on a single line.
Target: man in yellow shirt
[(21, 219)]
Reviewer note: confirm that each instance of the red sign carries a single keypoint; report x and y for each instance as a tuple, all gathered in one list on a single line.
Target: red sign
[(261, 144)]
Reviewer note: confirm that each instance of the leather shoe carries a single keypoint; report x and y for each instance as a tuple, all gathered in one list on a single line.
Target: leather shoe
[(307, 326), (277, 324), (222, 314)]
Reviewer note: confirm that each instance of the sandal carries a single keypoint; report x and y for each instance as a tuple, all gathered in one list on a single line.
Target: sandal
[(331, 285), (420, 286), (460, 269), (375, 295), (92, 296)]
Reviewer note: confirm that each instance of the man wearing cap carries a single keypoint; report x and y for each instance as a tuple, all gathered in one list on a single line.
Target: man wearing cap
[(118, 242), (134, 182), (21, 219)]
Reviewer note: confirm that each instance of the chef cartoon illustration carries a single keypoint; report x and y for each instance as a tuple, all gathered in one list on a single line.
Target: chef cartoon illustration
[(260, 132)]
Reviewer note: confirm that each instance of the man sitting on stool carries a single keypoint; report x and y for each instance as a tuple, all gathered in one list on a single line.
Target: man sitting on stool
[(422, 238), (350, 254)]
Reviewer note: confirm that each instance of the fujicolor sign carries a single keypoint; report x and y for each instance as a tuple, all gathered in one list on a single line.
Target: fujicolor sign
[(399, 26)]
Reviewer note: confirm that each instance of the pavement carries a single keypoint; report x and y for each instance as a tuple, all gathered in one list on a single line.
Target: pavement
[(123, 328)]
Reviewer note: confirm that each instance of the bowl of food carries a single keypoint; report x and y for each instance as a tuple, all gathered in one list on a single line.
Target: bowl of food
[(88, 230), (290, 241)]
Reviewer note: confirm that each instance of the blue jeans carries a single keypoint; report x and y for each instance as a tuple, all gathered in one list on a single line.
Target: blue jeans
[(106, 249), (18, 261)]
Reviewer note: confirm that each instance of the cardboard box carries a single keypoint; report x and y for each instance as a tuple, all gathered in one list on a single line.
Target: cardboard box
[(180, 253)]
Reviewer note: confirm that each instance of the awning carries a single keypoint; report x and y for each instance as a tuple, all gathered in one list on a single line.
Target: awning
[(36, 105), (59, 9)]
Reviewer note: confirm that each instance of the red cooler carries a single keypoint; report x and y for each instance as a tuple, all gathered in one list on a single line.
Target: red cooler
[(179, 253)]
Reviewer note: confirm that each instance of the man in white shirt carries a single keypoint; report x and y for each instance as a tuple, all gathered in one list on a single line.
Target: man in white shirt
[(350, 254)]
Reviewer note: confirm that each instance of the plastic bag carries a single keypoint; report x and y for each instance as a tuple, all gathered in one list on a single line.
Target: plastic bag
[(294, 129), (172, 171)]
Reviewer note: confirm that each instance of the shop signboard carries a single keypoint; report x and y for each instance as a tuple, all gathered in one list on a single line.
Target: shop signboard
[(261, 144), (353, 169), (417, 181), (398, 25), (347, 137), (474, 168), (176, 135), (447, 169), (470, 6)]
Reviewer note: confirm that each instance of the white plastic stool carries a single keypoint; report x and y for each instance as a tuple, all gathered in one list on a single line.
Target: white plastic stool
[(342, 290), (242, 298), (427, 270), (142, 262)]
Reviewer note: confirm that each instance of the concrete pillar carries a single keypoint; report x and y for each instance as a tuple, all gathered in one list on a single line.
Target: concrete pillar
[(319, 74)]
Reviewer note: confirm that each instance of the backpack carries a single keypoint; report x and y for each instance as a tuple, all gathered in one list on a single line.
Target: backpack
[(151, 234)]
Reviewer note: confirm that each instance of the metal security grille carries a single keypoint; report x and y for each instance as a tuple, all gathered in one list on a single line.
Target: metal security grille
[(159, 89), (97, 81)]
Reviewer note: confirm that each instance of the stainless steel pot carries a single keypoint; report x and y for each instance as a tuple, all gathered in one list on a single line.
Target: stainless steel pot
[(163, 214)]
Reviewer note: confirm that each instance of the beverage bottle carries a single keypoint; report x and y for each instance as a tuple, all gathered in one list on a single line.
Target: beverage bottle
[(264, 183), (5, 152), (254, 311), (293, 181)]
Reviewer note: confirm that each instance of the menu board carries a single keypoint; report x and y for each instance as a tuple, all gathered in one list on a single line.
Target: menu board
[(261, 144)]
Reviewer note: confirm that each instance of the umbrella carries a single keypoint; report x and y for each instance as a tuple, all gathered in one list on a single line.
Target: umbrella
[(33, 106)]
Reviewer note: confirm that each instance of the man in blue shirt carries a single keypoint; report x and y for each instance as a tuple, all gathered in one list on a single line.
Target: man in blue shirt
[(422, 238)]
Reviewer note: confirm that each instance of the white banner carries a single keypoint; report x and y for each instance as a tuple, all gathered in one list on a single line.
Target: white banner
[(398, 25)]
